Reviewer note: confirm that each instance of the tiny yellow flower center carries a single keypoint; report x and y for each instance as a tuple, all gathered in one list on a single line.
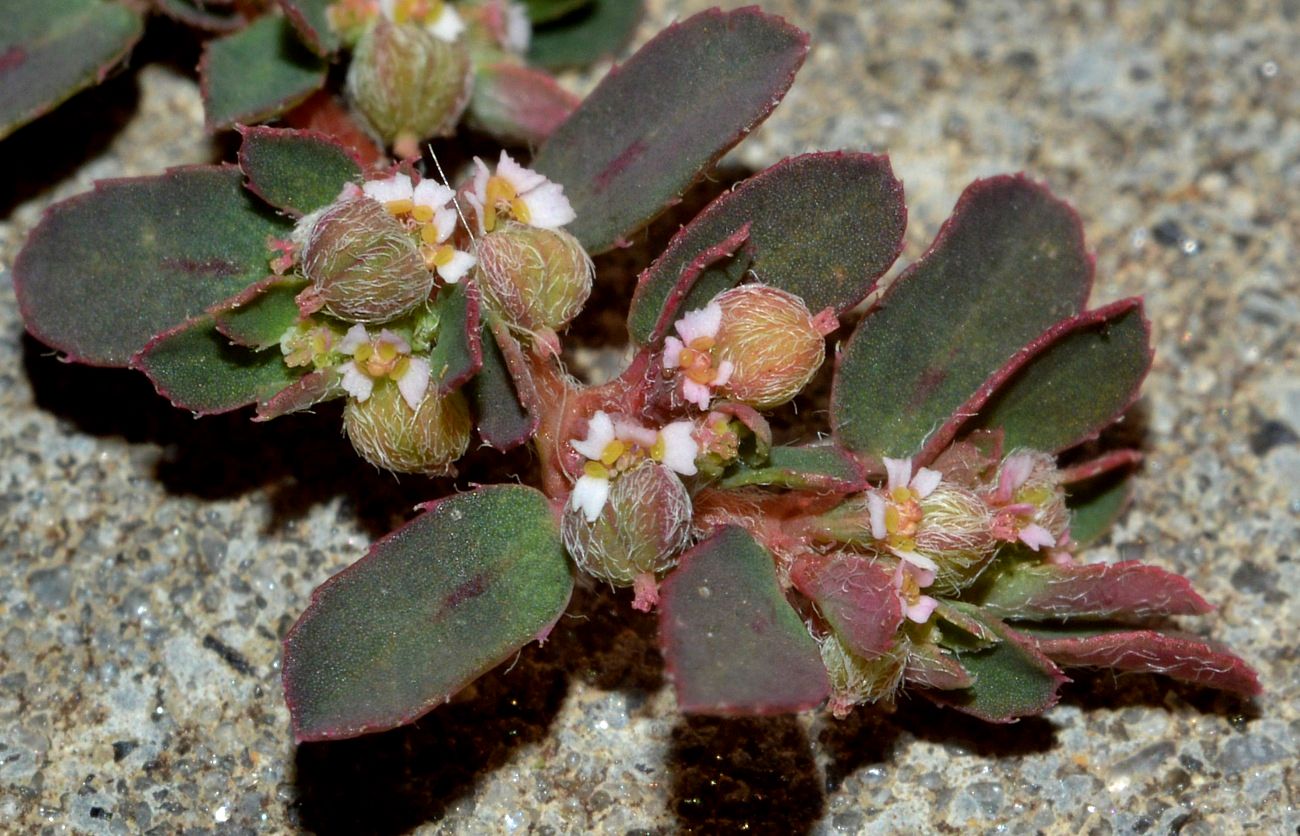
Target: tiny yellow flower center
[(380, 359), (910, 589), (397, 208), (421, 213), (420, 11), (902, 519), (612, 453), (503, 197), (595, 470), (696, 361)]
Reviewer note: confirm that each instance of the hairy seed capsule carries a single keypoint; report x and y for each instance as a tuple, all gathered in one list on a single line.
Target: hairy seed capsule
[(362, 265), (535, 278), (772, 342), (642, 528), (855, 680), (387, 433), (409, 84)]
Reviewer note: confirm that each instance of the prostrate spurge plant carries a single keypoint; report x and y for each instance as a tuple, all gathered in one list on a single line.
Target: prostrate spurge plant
[(932, 542)]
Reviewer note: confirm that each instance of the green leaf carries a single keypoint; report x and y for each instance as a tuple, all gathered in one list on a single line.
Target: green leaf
[(1081, 376), (823, 468), (257, 73), (1127, 590), (258, 317), (1012, 679), (504, 418), (458, 354), (540, 11), (52, 48), (1095, 505), (296, 171), (105, 271), (596, 29), (311, 19), (1007, 265), (197, 368), (731, 641), (432, 607), (822, 226), (647, 131), (205, 15)]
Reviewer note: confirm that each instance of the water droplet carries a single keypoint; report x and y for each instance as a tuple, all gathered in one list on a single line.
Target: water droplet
[(704, 592)]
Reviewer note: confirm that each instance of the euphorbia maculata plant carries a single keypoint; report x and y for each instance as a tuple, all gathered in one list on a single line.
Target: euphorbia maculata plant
[(932, 542)]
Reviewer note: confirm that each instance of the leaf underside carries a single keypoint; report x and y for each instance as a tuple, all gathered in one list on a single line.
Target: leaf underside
[(731, 641), (856, 596), (257, 73), (1129, 590), (583, 36), (428, 610), (504, 421), (1008, 264), (518, 105), (296, 171), (106, 271), (849, 214), (458, 355), (51, 49), (640, 139)]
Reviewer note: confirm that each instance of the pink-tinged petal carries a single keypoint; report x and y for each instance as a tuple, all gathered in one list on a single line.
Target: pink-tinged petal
[(415, 382), (680, 448), (723, 374), (900, 472), (461, 263), (386, 336), (925, 481), (696, 393), (481, 176), (672, 352), (522, 179), (548, 208), (876, 511), (600, 432), (703, 322), (1035, 537), (356, 382), (920, 561), (1015, 470), (923, 577), (432, 194), (625, 429), (921, 611), (397, 187), (448, 26), (589, 496), (353, 339)]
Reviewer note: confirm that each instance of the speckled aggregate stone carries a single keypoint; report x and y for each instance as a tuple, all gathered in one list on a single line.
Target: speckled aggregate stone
[(150, 563)]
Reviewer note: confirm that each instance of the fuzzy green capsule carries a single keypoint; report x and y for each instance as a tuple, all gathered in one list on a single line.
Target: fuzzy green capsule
[(386, 432), (773, 343), (408, 84), (537, 279)]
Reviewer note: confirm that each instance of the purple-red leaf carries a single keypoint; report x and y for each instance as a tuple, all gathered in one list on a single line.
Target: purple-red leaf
[(1182, 657), (106, 271), (518, 104), (731, 641), (258, 316), (1008, 264), (856, 596), (1129, 590), (640, 139), (304, 393), (432, 607), (650, 320), (207, 15), (821, 226), (297, 171), (930, 666)]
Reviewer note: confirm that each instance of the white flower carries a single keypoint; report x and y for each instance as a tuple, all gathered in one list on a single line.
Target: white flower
[(436, 16), (396, 189), (517, 192), (385, 356), (425, 208), (613, 445), (895, 512), (679, 448), (692, 354), (518, 29)]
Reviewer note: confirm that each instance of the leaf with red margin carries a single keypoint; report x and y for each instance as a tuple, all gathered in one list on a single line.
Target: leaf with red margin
[(1178, 656), (256, 73), (207, 15), (518, 104), (51, 49), (930, 666), (1129, 590), (296, 171), (1104, 465), (856, 596), (824, 468), (1096, 504), (822, 226), (105, 271), (1013, 679), (656, 319), (505, 397), (259, 316), (311, 19), (1008, 264), (598, 30), (731, 642), (429, 609), (197, 368), (458, 354), (304, 393), (648, 130)]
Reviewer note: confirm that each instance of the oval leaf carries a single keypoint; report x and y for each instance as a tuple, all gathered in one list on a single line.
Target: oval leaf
[(458, 354), (652, 125), (1099, 590), (297, 171), (257, 73), (1082, 377), (53, 48), (106, 271), (823, 468), (731, 641), (518, 105), (822, 226), (596, 30), (432, 607), (1007, 265), (857, 596), (258, 317), (504, 403)]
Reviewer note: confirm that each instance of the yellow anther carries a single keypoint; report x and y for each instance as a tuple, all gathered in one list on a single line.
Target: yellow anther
[(612, 452), (520, 210), (703, 343), (400, 368), (489, 217), (658, 449), (443, 255), (399, 207), (893, 519), (363, 352), (429, 234), (1035, 496), (387, 352), (901, 494), (596, 470), (500, 190), (422, 214)]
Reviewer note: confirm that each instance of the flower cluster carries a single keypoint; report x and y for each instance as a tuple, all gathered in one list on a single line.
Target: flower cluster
[(614, 445)]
